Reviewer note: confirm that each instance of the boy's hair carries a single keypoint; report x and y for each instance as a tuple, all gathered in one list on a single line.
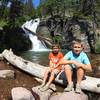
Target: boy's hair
[(76, 41), (55, 45)]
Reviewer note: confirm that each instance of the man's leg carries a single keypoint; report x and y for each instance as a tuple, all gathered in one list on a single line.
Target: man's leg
[(68, 72)]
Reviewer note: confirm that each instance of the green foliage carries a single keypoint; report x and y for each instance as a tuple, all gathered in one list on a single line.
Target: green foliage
[(3, 23), (57, 39), (97, 46), (14, 38)]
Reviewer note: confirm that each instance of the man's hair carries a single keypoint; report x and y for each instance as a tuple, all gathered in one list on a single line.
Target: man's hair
[(76, 41), (55, 45)]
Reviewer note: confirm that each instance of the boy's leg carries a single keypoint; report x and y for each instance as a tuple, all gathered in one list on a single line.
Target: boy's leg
[(52, 77), (45, 77), (80, 74), (68, 72)]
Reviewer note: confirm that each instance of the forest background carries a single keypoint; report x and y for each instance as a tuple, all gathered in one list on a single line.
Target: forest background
[(60, 17)]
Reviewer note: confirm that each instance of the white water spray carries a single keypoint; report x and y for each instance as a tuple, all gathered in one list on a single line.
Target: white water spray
[(31, 26)]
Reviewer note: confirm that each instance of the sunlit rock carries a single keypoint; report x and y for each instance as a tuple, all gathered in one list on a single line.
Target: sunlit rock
[(20, 93)]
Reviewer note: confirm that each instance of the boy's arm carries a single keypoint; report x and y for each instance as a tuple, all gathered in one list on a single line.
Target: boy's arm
[(64, 62), (51, 64), (87, 67)]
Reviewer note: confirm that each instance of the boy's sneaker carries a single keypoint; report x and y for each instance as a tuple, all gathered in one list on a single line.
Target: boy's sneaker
[(42, 85), (78, 89), (69, 87), (45, 88)]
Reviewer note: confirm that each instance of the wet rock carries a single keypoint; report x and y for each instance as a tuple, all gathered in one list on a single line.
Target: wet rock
[(20, 93)]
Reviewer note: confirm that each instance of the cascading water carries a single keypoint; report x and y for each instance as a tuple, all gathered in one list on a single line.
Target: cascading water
[(36, 44), (30, 27)]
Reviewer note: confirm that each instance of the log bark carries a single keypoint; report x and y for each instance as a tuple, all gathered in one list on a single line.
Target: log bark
[(90, 83)]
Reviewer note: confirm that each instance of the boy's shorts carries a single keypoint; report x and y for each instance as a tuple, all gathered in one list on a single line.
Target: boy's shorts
[(56, 72)]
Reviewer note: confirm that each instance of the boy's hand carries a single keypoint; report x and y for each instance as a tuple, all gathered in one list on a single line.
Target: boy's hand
[(56, 65), (78, 64)]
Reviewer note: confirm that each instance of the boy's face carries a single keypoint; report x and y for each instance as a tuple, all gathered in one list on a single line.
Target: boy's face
[(55, 49), (77, 48)]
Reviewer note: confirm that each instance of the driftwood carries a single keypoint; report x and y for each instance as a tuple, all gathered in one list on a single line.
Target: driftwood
[(90, 83)]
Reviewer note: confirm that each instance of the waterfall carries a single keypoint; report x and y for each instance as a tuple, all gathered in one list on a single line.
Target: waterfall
[(37, 45), (30, 27)]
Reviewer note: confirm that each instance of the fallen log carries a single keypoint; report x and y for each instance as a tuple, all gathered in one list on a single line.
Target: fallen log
[(90, 83)]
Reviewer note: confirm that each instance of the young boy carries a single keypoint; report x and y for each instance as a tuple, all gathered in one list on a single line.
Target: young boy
[(78, 60), (55, 56)]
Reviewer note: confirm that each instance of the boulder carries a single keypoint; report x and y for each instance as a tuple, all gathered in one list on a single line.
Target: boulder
[(43, 95), (1, 57), (6, 73), (70, 96), (20, 93)]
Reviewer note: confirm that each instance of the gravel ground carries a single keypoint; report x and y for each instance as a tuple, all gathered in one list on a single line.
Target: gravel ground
[(21, 79)]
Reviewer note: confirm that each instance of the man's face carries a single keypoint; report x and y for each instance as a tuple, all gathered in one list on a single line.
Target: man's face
[(77, 48)]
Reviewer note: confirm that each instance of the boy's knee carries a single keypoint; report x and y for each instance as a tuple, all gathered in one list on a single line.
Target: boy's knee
[(81, 70), (67, 67)]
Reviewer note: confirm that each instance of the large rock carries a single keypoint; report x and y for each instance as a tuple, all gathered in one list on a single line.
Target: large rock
[(70, 96), (6, 73), (1, 57), (20, 93), (43, 95)]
